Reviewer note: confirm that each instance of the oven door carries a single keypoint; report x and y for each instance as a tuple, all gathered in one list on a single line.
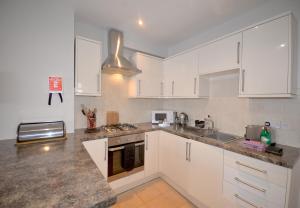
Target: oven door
[(117, 159)]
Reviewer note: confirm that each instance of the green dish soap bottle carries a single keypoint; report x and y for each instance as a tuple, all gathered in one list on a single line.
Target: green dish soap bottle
[(265, 134)]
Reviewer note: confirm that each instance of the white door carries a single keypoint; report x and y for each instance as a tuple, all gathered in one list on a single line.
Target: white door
[(149, 82), (169, 67), (173, 158), (265, 67), (87, 67), (97, 149), (186, 75), (221, 55), (151, 153), (206, 173)]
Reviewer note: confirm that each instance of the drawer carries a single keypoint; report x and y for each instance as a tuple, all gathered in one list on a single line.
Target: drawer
[(234, 197), (272, 173), (255, 185)]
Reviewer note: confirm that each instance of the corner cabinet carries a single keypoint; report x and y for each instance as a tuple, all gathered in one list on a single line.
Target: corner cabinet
[(87, 67), (267, 67), (147, 84)]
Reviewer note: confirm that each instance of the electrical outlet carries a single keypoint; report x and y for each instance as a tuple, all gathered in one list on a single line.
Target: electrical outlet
[(284, 125), (276, 124)]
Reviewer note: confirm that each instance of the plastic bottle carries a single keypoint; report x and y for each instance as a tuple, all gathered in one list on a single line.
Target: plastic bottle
[(265, 135)]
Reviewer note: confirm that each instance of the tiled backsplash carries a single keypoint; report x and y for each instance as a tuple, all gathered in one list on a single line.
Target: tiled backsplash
[(231, 114)]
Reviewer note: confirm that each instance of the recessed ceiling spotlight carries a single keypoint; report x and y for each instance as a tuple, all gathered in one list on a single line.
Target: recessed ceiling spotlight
[(140, 22)]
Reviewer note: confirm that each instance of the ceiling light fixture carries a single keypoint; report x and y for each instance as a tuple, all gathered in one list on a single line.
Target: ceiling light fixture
[(140, 22)]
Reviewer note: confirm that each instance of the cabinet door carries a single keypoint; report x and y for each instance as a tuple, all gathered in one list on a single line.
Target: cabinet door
[(186, 75), (181, 75), (221, 55), (173, 158), (87, 67), (151, 153), (169, 67), (206, 173), (265, 67), (149, 82), (97, 149)]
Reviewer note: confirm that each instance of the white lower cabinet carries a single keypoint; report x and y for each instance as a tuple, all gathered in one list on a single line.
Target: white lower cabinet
[(97, 149), (189, 164), (151, 153), (173, 158), (205, 173), (250, 182)]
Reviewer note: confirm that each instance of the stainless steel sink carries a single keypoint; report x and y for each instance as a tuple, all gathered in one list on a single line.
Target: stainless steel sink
[(210, 133)]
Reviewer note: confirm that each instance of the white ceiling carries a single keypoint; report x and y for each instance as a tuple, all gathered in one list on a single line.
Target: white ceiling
[(166, 22)]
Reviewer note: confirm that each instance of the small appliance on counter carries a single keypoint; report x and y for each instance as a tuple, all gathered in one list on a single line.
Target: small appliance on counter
[(161, 116), (258, 138), (183, 119), (40, 131)]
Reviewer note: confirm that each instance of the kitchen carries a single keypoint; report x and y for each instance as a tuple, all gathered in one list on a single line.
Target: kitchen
[(38, 43)]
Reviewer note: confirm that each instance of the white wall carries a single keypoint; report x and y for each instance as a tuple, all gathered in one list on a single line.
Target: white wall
[(37, 41), (114, 88), (232, 114)]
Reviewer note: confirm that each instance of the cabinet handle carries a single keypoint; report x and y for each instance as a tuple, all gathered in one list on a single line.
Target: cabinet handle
[(250, 167), (250, 185), (146, 146), (186, 150), (190, 145), (139, 88), (173, 88), (243, 80), (238, 52), (105, 150), (98, 83), (195, 85), (246, 201)]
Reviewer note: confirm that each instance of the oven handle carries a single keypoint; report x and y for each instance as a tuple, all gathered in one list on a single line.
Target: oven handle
[(113, 149)]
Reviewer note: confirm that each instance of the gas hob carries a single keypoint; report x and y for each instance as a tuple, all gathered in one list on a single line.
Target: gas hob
[(118, 127)]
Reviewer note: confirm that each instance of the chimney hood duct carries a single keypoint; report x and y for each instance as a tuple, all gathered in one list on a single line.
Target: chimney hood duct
[(116, 63)]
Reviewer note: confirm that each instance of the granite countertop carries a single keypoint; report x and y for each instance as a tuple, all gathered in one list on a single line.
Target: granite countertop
[(52, 174), (288, 159), (62, 174)]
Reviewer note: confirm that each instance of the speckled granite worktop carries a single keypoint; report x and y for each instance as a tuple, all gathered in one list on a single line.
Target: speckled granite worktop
[(288, 159), (53, 174), (62, 174)]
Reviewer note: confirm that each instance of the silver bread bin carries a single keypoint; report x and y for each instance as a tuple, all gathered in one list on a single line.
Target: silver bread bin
[(40, 131)]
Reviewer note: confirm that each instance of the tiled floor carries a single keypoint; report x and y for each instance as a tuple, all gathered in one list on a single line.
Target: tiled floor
[(154, 194)]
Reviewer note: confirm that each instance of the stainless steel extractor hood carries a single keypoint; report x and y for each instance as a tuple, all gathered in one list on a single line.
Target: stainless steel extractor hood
[(116, 63)]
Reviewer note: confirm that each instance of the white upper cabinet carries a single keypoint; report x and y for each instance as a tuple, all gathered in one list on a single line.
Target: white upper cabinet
[(181, 75), (87, 67), (266, 60), (221, 55), (149, 82)]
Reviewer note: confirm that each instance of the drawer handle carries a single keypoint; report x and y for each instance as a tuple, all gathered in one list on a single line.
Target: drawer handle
[(246, 201), (250, 185), (247, 166)]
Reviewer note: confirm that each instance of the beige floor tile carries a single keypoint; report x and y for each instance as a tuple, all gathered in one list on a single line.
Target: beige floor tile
[(162, 186), (176, 197), (129, 201), (161, 202), (148, 193)]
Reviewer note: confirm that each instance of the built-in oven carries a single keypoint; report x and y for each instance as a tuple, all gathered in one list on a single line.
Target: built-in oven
[(125, 155)]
